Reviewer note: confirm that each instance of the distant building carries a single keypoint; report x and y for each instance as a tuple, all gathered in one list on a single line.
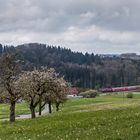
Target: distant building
[(73, 93), (132, 56), (73, 90)]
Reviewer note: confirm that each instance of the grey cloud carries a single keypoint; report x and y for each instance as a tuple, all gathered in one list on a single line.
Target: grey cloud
[(121, 15), (85, 23)]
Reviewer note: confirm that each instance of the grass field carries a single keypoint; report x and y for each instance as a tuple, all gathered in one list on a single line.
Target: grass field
[(20, 109), (102, 118)]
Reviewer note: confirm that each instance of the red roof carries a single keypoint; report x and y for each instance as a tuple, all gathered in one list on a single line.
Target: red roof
[(73, 90)]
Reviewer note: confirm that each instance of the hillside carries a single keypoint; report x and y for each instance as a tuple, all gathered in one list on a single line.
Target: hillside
[(83, 70)]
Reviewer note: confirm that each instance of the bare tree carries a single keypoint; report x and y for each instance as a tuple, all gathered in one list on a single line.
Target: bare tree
[(9, 70)]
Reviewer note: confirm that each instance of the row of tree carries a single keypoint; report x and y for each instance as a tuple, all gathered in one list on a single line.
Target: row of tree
[(38, 87)]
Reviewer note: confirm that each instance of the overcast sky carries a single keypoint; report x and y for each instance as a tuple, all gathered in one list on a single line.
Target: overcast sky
[(98, 26)]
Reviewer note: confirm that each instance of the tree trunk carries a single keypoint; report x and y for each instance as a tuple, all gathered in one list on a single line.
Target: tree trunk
[(12, 111), (57, 106), (91, 77), (50, 107), (32, 112), (40, 108)]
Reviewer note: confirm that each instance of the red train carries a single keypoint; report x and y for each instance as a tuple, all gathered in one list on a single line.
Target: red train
[(116, 89)]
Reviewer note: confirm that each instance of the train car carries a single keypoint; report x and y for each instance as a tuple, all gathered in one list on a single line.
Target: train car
[(116, 89), (106, 90)]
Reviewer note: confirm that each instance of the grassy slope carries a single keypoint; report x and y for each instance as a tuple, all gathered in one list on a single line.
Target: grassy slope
[(108, 117)]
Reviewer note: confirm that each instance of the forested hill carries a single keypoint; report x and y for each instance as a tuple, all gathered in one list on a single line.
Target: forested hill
[(82, 70)]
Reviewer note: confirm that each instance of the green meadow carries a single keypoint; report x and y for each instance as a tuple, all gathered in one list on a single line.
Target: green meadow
[(20, 110), (110, 117)]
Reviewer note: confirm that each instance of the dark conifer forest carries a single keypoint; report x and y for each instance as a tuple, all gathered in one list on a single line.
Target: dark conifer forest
[(82, 70)]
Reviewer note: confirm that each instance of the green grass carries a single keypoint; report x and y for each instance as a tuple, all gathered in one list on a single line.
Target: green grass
[(102, 118), (20, 109)]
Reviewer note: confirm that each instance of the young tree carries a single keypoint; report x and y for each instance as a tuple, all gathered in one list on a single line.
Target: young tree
[(61, 90), (33, 86), (9, 70), (41, 87), (49, 94), (46, 85), (30, 88), (54, 90)]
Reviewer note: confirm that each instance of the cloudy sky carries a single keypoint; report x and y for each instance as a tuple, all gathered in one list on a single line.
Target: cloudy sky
[(98, 26)]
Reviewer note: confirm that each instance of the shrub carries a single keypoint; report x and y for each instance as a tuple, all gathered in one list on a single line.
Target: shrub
[(89, 94), (129, 95)]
